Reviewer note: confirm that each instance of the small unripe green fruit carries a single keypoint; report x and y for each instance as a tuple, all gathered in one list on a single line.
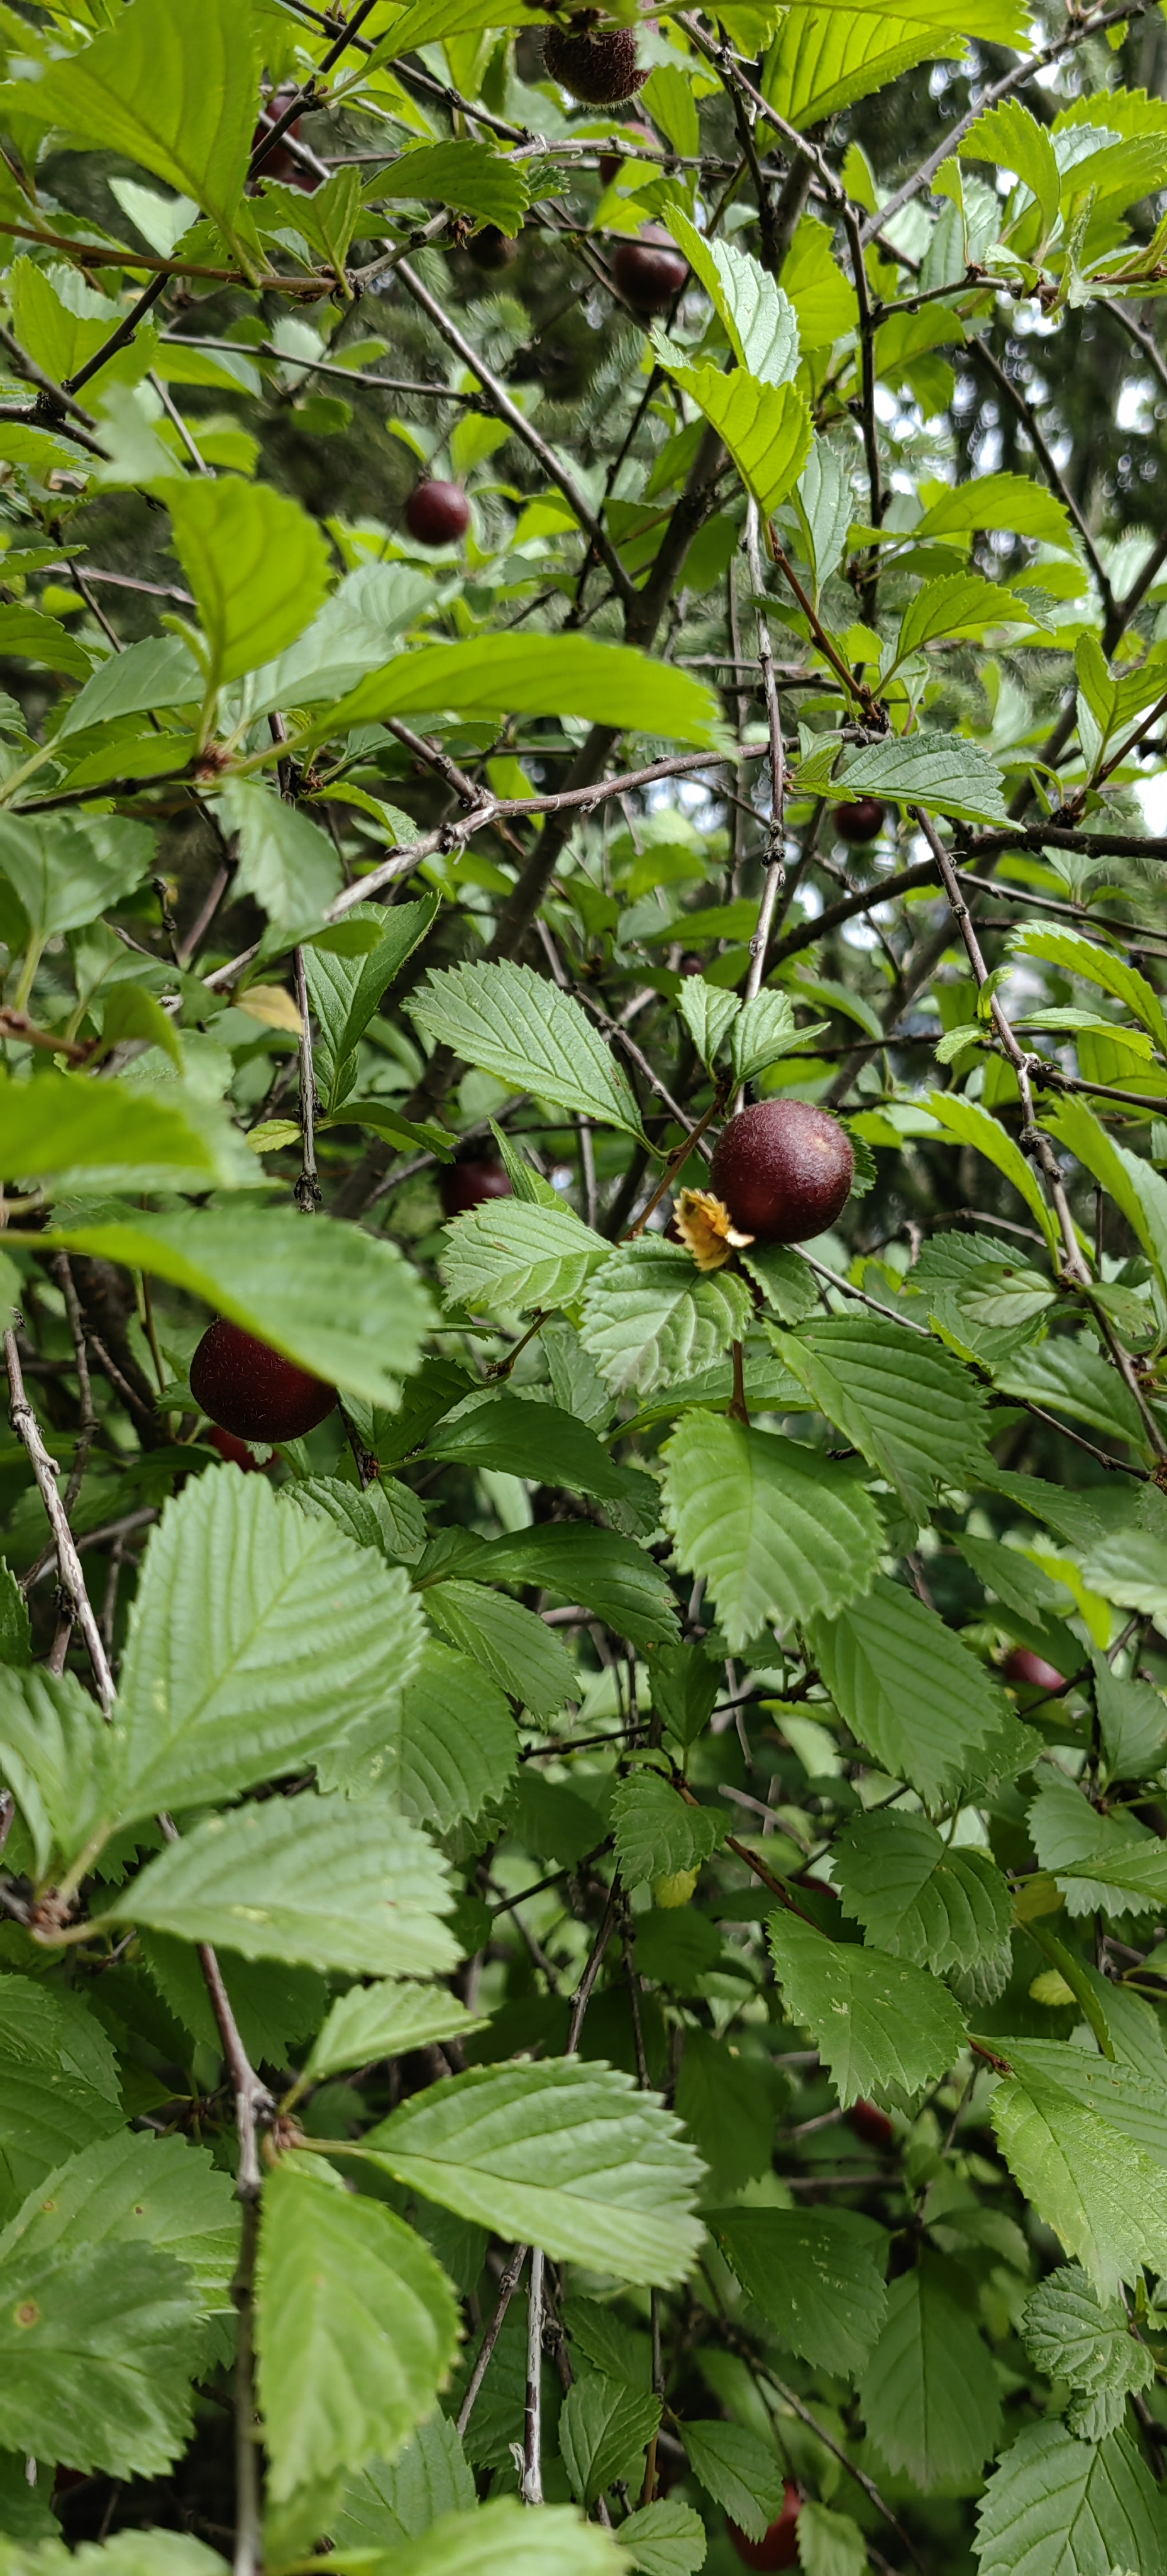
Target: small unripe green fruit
[(676, 1888)]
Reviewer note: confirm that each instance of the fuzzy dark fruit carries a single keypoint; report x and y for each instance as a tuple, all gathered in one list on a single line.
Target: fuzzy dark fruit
[(437, 514), (858, 822), (867, 2121), (233, 1452), (491, 249), (469, 1181), (1032, 1671), (254, 1391), (597, 65), (779, 2545), (784, 1170), (649, 272), (280, 163), (611, 163)]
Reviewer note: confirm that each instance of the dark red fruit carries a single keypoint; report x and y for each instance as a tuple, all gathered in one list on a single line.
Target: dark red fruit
[(859, 822), (784, 1170), (491, 249), (280, 163), (1032, 1671), (779, 2548), (469, 1180), (235, 1452), (437, 514), (599, 68), (871, 2124), (611, 163), (254, 1391), (649, 272)]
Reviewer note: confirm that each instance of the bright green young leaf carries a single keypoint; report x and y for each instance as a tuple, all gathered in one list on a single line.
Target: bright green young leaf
[(759, 319), (885, 2029), (68, 1130), (474, 177), (178, 98), (518, 1026), (386, 2020), (972, 1125), (567, 2156), (539, 675), (1016, 502), (816, 2274), (66, 872), (777, 1530), (944, 771), (1097, 965), (766, 427), (708, 1013), (960, 604), (256, 563), (1013, 139), (26, 631), (501, 2539)]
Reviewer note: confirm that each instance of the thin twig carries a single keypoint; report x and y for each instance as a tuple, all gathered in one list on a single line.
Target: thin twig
[(28, 1432)]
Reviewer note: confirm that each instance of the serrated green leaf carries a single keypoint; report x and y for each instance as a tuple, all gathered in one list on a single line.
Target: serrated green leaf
[(66, 872), (604, 2430), (386, 2020), (764, 1031), (538, 1441), (97, 2348), (1132, 1721), (1086, 2141), (1059, 2507), (309, 1878), (345, 991), (1071, 2334), (1013, 501), (784, 1279), (176, 98), (816, 2274), (1078, 955), (909, 1690), (69, 1131), (512, 1253), (514, 1024), (60, 2090), (913, 1409), (885, 2029), (566, 2156), (474, 177), (399, 2499), (1108, 1861), (356, 2326), (286, 862), (524, 1657), (133, 2190), (257, 564), (929, 2393), (742, 2473), (500, 2539), (1012, 139), (759, 318), (945, 772), (1134, 1185), (918, 1897), (609, 1574), (649, 1317), (656, 1832), (540, 675), (777, 1530), (440, 1751), (957, 604), (664, 2539), (708, 1012), (766, 427)]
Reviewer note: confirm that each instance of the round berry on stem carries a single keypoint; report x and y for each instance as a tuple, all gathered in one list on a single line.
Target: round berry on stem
[(779, 2547), (783, 1169), (249, 1389), (867, 2121), (233, 1452), (649, 272), (597, 65), (471, 1179), (1032, 1671), (437, 514), (280, 164), (859, 821)]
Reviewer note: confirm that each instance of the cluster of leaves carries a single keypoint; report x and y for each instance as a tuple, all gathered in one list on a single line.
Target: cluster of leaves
[(581, 1950)]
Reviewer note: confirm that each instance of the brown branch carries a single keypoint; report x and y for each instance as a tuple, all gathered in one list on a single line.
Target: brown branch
[(44, 1468)]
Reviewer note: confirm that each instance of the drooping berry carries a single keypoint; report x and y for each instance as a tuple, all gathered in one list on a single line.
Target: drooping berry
[(784, 1170), (491, 249), (779, 2547), (871, 2124), (650, 271), (1032, 1671), (469, 1180), (437, 514), (249, 1389), (597, 65), (860, 821)]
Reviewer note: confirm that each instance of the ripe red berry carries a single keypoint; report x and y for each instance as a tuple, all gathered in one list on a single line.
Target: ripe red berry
[(1032, 1671), (437, 514), (611, 163), (280, 163), (491, 249), (254, 1391), (779, 2548), (466, 1183), (599, 68), (871, 2124), (784, 1170), (649, 272), (235, 1452), (859, 822)]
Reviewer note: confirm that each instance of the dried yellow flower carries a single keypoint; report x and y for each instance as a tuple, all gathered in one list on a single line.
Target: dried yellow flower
[(704, 1223)]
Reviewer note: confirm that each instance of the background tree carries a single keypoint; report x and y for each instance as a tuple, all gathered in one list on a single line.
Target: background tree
[(583, 1701)]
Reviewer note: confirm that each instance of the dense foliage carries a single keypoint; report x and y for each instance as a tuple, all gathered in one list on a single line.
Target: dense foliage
[(582, 1930)]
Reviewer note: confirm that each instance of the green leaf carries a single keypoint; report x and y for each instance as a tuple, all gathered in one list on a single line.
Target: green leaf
[(708, 1013), (386, 2020), (817, 2276), (886, 2030), (918, 1897), (356, 2326), (285, 861), (820, 65), (1081, 956), (958, 604), (784, 1279), (664, 2539), (742, 2473), (609, 1574), (159, 672), (1015, 502), (1108, 1861), (68, 1130), (60, 2090), (567, 2156), (657, 1833), (538, 1441), (500, 2539), (57, 1758), (1059, 2507), (97, 2347), (1134, 1185), (945, 772), (929, 2393), (766, 427), (1086, 2141), (29, 636), (304, 1878), (759, 319), (275, 2006), (474, 177), (525, 1658), (1069, 1375), (604, 2430), (1072, 2334), (515, 1024), (777, 1530), (397, 2500), (345, 991), (908, 1689), (66, 872), (1132, 1721), (913, 1409), (764, 1031), (512, 1253), (649, 1317), (542, 675), (440, 1751), (132, 2190), (257, 564), (132, 1012), (174, 95), (830, 2544), (728, 2104), (340, 1302), (324, 218), (257, 1636), (1012, 139), (129, 2553)]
